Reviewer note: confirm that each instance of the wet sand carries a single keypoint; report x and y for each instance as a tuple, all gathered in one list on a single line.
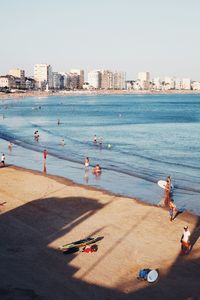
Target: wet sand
[(39, 213)]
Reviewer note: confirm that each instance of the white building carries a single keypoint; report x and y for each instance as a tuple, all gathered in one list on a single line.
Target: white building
[(43, 75), (80, 73), (144, 79), (169, 83), (157, 84), (7, 81), (178, 84), (144, 76), (196, 85), (186, 84), (94, 79)]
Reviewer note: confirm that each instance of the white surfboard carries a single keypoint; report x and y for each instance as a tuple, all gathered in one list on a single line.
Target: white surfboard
[(162, 184)]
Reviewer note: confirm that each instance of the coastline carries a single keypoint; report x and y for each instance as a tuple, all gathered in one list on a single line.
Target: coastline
[(42, 212), (17, 95)]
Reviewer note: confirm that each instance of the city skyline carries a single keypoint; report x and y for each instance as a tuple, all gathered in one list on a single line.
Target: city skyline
[(128, 35)]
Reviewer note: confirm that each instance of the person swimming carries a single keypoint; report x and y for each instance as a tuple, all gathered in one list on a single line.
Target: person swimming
[(95, 139), (62, 142), (97, 170)]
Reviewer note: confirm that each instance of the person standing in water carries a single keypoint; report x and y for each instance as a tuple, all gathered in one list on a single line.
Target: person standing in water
[(87, 162), (10, 146), (45, 154)]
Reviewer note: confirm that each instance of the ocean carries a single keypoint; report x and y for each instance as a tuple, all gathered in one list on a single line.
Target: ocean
[(145, 138)]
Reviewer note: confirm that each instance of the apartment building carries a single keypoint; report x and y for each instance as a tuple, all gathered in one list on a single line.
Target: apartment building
[(43, 76), (94, 79), (80, 74)]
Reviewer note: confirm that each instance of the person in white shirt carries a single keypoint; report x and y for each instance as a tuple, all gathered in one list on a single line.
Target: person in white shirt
[(3, 159), (185, 240)]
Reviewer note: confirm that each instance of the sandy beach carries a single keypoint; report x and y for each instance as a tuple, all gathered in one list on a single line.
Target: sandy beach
[(19, 95), (39, 213)]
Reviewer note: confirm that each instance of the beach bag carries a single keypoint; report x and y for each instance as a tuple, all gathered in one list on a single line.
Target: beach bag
[(143, 274)]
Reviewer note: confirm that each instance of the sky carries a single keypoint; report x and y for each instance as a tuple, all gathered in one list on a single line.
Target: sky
[(162, 37)]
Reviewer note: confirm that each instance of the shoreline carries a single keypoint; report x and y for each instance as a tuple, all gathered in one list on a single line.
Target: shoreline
[(41, 213), (17, 95), (70, 182)]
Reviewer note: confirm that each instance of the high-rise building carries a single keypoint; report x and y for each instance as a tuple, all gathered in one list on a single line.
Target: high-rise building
[(17, 73), (56, 78), (43, 75), (119, 79), (144, 76), (94, 79), (144, 80), (106, 79), (80, 73), (73, 80)]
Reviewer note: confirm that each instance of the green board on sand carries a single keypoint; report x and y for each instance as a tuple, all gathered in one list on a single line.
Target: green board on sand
[(80, 243)]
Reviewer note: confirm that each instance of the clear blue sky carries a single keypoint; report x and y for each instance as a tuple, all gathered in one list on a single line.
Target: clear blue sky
[(159, 36)]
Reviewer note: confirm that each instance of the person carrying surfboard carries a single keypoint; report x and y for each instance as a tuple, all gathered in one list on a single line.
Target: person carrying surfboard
[(168, 191)]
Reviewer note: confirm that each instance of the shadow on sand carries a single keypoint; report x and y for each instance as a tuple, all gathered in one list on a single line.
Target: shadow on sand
[(31, 270)]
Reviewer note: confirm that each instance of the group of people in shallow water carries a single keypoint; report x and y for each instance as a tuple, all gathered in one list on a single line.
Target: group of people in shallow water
[(96, 169), (169, 203)]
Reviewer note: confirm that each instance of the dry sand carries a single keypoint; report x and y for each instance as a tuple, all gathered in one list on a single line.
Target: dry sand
[(42, 213)]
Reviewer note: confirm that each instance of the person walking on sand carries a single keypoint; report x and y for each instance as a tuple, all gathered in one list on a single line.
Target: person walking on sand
[(185, 240), (172, 209), (3, 159)]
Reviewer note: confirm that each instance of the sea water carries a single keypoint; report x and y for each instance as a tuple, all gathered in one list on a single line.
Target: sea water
[(145, 138)]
